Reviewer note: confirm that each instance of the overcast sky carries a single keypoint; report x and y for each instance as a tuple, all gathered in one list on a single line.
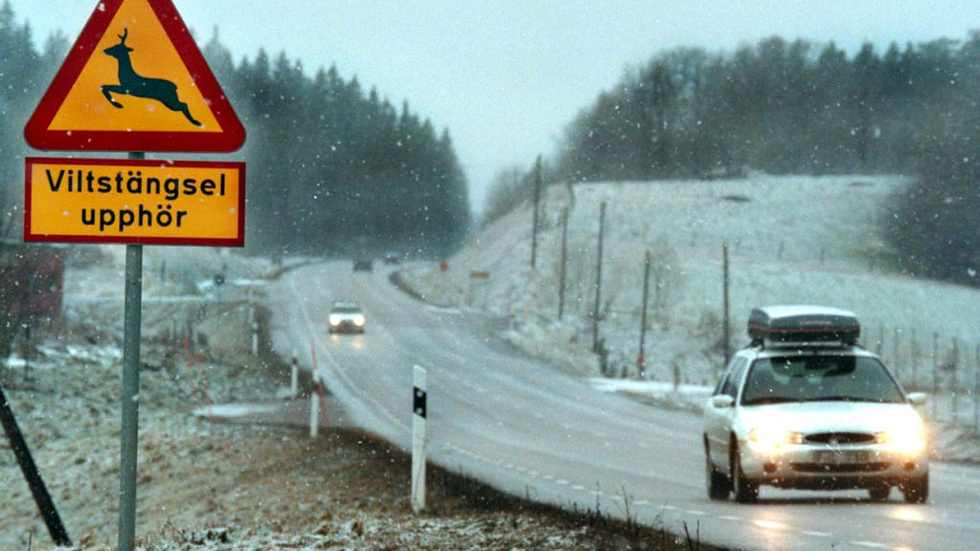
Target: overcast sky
[(506, 76)]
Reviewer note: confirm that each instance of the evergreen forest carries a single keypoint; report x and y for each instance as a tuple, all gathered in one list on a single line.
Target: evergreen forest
[(332, 169)]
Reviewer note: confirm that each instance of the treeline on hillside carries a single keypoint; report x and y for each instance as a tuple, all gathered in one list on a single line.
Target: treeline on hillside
[(796, 107), (23, 75), (331, 170), (334, 170), (779, 106)]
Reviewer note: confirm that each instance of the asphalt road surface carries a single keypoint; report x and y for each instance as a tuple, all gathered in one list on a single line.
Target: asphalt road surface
[(532, 430)]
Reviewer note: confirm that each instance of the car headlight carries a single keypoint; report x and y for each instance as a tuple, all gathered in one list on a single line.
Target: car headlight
[(907, 439), (359, 320), (773, 437), (334, 319)]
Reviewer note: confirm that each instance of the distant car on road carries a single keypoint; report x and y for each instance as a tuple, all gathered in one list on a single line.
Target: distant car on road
[(803, 406), (363, 265), (392, 257), (346, 317)]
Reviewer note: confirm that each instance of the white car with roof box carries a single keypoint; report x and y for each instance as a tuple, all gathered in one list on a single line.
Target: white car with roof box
[(804, 406)]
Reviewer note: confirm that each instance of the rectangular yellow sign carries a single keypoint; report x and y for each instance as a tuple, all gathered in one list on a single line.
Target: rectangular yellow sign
[(135, 201)]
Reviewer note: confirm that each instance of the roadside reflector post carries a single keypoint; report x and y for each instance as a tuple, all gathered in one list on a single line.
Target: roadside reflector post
[(314, 409), (255, 338), (318, 404), (317, 399), (251, 307), (315, 395), (418, 441), (294, 378)]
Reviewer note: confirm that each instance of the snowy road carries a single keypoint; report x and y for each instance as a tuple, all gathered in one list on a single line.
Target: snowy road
[(532, 430)]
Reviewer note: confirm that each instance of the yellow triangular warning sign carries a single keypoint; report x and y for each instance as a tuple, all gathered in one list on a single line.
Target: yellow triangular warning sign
[(135, 81)]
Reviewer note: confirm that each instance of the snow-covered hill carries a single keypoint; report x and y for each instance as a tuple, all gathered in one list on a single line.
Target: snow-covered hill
[(791, 239)]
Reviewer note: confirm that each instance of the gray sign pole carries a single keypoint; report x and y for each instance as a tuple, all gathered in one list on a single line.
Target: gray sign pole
[(129, 435)]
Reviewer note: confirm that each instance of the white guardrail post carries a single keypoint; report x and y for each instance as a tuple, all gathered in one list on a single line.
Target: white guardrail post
[(418, 441), (316, 396)]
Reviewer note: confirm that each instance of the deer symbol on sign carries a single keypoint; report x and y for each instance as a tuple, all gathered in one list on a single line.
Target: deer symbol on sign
[(132, 84)]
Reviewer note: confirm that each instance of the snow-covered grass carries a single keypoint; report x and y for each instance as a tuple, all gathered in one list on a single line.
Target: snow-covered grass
[(790, 239)]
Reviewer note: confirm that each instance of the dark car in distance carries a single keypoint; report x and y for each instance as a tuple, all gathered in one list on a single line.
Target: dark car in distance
[(363, 265)]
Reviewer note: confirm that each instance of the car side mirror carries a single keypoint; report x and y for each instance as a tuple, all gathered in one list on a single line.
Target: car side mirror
[(722, 401), (917, 398)]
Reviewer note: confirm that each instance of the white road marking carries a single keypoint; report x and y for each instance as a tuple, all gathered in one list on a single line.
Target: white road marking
[(772, 525)]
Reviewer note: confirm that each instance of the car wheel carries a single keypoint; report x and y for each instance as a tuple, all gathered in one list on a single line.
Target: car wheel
[(879, 493), (745, 490), (916, 490), (718, 483)]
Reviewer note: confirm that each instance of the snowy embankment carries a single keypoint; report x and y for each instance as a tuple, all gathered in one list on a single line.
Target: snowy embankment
[(209, 485), (805, 240)]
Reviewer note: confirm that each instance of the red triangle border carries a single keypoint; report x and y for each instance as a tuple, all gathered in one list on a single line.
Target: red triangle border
[(39, 136)]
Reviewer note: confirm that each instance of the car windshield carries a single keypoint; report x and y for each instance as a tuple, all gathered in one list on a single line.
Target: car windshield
[(346, 309), (819, 378)]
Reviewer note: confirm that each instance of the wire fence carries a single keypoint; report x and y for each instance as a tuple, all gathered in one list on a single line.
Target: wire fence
[(946, 368), (685, 287)]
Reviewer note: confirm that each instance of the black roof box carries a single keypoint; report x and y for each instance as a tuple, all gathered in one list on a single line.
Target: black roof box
[(803, 325)]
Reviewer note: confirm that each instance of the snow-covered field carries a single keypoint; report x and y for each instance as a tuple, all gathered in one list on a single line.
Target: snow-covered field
[(791, 239)]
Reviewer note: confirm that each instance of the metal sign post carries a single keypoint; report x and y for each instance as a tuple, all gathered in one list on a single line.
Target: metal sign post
[(130, 397), (418, 441), (129, 437)]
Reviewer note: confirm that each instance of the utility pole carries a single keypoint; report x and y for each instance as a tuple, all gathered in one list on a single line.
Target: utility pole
[(641, 358), (598, 281), (534, 223), (562, 269), (726, 323)]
